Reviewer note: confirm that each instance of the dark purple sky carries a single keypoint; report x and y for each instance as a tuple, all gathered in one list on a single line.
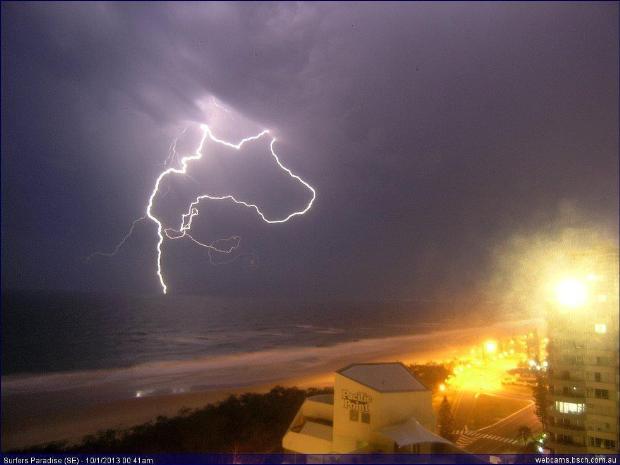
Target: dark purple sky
[(433, 133)]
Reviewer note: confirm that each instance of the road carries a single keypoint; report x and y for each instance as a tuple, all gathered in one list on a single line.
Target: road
[(498, 435)]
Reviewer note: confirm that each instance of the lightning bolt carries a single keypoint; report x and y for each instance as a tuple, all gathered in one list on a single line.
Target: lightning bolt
[(192, 211), (172, 151), (120, 244)]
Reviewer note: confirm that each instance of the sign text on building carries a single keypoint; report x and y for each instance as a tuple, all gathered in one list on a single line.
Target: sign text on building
[(356, 400)]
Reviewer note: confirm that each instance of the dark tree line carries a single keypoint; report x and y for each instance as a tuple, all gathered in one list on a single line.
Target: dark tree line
[(250, 423), (430, 374)]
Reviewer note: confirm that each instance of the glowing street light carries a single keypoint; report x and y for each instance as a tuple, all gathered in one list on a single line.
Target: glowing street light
[(571, 293), (490, 347)]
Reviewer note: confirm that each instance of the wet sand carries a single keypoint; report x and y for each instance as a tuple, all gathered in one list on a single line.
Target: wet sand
[(65, 406)]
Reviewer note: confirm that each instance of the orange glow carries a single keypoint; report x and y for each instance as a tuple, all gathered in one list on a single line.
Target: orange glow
[(484, 371), (490, 346)]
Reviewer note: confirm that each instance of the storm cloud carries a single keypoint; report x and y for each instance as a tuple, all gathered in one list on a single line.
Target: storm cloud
[(432, 132)]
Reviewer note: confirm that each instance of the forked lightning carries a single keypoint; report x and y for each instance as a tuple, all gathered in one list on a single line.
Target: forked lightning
[(192, 210)]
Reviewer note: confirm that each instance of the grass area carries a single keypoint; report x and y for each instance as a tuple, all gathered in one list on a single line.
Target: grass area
[(250, 423)]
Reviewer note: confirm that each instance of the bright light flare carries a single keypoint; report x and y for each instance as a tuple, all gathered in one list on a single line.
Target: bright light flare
[(490, 347), (571, 293), (481, 372)]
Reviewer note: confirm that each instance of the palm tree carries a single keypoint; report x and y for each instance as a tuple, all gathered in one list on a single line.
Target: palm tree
[(525, 433), (539, 391), (446, 420)]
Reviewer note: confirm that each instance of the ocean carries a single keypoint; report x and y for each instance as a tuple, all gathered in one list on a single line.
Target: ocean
[(47, 332), (74, 363)]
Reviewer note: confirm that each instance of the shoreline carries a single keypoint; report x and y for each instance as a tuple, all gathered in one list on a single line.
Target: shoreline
[(37, 409)]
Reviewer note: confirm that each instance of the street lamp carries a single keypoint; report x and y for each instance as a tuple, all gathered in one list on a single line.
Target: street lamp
[(490, 347)]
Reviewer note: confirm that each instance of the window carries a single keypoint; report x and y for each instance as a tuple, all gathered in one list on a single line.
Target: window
[(569, 407), (609, 444), (601, 393), (353, 415), (597, 377), (602, 360), (365, 417), (600, 328)]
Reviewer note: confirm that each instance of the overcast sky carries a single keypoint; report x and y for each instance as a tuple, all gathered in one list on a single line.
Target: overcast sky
[(432, 133)]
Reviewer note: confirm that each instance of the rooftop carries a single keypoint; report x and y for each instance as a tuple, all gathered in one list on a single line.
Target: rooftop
[(322, 398), (411, 432), (317, 430), (383, 377)]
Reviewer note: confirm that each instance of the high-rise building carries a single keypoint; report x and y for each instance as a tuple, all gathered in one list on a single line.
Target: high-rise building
[(583, 361)]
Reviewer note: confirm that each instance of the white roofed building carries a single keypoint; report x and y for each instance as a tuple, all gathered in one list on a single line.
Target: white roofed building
[(376, 407)]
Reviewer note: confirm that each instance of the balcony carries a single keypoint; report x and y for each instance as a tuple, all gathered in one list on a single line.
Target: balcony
[(567, 395), (572, 377), (560, 384), (569, 442), (600, 343), (565, 446), (558, 414), (572, 416), (604, 407), (563, 427), (606, 384), (563, 364), (605, 363), (600, 450)]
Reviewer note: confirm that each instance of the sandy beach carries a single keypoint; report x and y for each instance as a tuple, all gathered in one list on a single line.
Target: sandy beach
[(66, 406)]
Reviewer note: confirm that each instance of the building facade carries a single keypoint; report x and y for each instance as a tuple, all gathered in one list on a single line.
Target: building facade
[(376, 407), (583, 366)]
